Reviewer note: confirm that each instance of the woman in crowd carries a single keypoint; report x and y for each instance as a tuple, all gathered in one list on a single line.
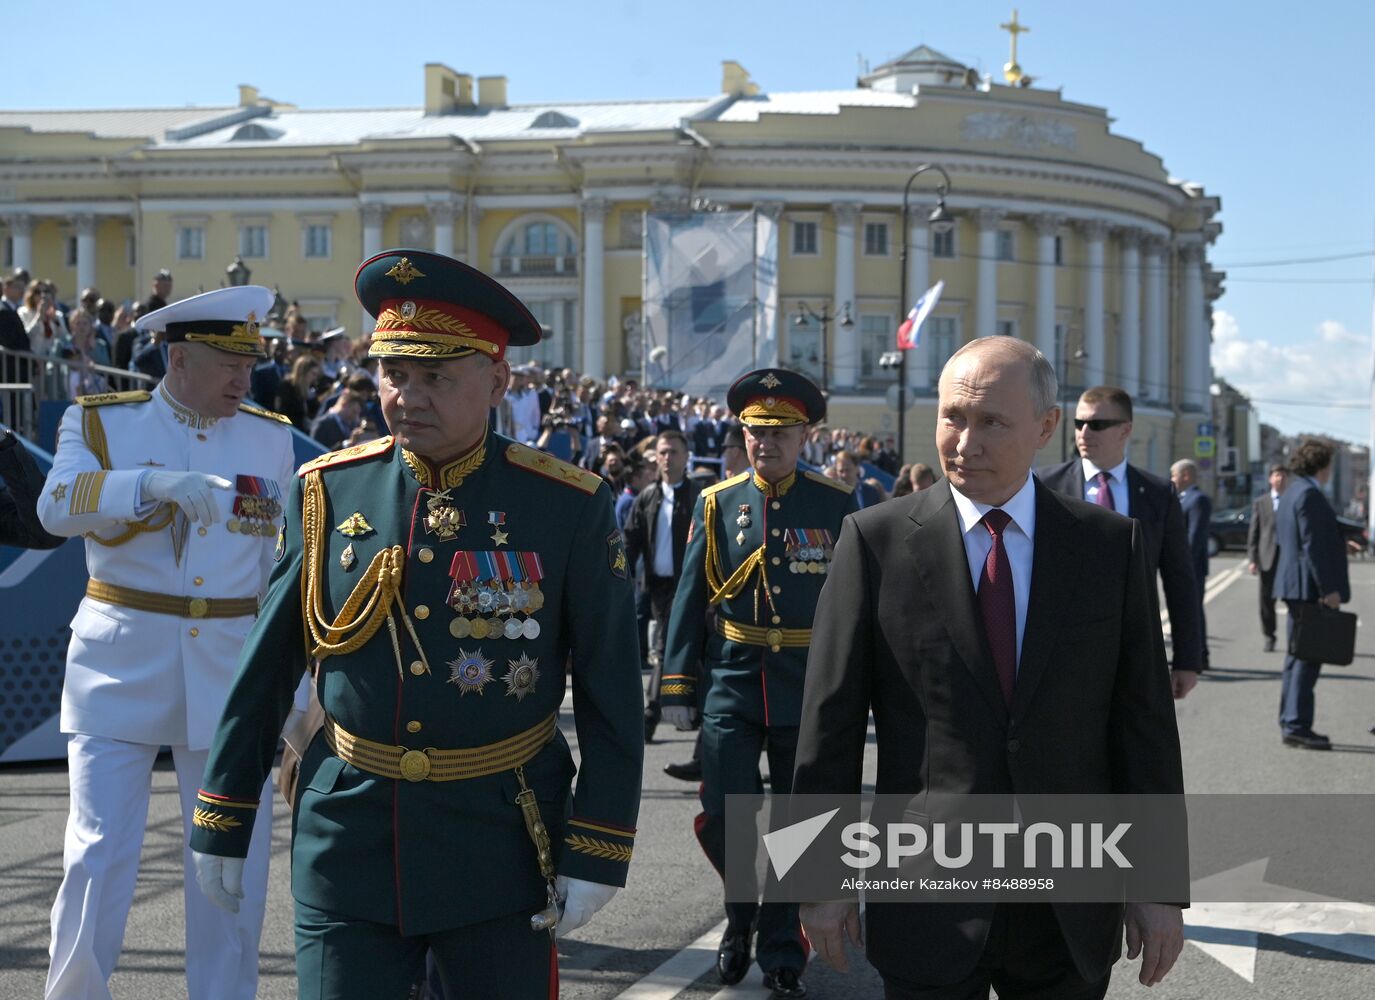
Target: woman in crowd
[(81, 349), (296, 393)]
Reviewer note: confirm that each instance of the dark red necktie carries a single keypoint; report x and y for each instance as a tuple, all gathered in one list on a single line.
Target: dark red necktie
[(1104, 497), (998, 603)]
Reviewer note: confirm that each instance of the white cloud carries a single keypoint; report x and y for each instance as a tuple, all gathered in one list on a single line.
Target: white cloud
[(1294, 385)]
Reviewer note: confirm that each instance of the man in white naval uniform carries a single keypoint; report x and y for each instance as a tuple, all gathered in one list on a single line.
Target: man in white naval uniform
[(178, 494)]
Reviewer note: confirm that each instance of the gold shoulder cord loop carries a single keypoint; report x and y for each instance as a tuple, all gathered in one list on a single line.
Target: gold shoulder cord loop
[(720, 588), (367, 606), (93, 431)]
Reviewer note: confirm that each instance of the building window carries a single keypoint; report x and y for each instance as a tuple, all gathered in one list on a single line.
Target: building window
[(943, 335), (876, 239), (804, 347), (542, 239), (317, 241), (252, 241), (1007, 245), (804, 239), (1005, 328), (943, 244), (875, 340), (190, 242), (71, 251), (538, 248), (1059, 250), (632, 229)]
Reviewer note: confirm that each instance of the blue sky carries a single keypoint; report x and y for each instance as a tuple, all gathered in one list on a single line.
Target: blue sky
[(1266, 108)]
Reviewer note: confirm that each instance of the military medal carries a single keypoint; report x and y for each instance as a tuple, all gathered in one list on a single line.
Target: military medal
[(479, 629), (743, 518), (257, 506), (499, 590), (354, 526), (496, 518), (347, 558), (471, 671), (521, 677), (442, 518), (808, 549), (460, 628), (740, 538)]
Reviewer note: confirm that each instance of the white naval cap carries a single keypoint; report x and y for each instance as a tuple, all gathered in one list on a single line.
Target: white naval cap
[(224, 318)]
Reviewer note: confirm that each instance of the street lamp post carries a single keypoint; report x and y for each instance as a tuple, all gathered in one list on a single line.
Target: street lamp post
[(843, 319), (941, 222), (237, 272)]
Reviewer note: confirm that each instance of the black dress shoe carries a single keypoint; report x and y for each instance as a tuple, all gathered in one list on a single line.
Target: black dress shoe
[(785, 983), (1307, 741), (691, 771), (733, 957), (1270, 644)]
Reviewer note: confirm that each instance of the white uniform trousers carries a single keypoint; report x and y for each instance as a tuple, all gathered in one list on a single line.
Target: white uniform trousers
[(110, 783)]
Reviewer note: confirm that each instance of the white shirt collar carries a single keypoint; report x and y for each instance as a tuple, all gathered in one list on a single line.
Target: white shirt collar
[(1118, 471), (1021, 508)]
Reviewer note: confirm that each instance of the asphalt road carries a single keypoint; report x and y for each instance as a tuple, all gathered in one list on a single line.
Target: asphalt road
[(642, 945)]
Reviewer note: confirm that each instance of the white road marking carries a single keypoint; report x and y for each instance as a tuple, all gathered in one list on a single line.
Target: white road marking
[(679, 972)]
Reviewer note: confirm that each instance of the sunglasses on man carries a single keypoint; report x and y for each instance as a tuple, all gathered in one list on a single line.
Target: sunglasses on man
[(1097, 424)]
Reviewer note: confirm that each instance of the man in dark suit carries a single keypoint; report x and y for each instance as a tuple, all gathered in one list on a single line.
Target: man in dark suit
[(1102, 430), (1261, 549), (657, 528), (1005, 640), (12, 333), (1311, 570), (22, 482), (1198, 514)]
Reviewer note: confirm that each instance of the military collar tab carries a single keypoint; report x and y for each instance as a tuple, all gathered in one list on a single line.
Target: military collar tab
[(777, 489), (184, 414), (451, 474)]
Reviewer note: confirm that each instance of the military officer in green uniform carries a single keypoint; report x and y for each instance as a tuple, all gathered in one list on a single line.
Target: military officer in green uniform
[(444, 585), (757, 551)]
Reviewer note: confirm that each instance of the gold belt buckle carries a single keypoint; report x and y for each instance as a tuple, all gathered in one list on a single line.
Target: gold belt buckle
[(774, 637), (197, 607), (415, 765)]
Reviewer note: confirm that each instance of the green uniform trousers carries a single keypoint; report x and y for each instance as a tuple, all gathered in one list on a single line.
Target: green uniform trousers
[(339, 958)]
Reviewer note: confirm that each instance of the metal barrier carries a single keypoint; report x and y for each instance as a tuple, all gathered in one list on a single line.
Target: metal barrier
[(34, 379)]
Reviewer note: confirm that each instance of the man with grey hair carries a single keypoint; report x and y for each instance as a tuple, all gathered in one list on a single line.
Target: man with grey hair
[(1198, 514), (1004, 637)]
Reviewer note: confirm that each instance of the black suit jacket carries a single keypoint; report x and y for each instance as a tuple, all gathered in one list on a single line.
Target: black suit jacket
[(1260, 535), (898, 633), (19, 525), (1312, 557), (1155, 505), (642, 524)]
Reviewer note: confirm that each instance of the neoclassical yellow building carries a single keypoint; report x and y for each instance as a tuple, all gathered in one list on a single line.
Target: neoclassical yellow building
[(1067, 234)]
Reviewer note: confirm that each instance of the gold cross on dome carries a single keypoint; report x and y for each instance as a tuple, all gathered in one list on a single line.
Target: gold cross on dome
[(1012, 72)]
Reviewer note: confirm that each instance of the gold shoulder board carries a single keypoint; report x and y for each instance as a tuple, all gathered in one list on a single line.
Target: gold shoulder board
[(109, 398), (331, 458), (834, 484), (717, 487), (258, 411), (549, 466)]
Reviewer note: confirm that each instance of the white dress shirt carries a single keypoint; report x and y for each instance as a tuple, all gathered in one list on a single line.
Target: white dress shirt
[(1121, 496), (663, 531), (1019, 539)]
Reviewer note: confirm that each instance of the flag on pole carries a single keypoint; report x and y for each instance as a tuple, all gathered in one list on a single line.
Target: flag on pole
[(909, 333)]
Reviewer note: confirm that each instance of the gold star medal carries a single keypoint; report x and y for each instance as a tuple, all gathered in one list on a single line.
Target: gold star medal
[(497, 518)]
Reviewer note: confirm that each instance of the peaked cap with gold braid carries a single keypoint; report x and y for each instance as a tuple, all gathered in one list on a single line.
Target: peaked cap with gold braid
[(223, 318), (429, 306), (776, 397)]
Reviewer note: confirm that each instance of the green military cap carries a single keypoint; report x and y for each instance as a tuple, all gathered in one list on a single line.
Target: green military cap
[(775, 397), (431, 306)]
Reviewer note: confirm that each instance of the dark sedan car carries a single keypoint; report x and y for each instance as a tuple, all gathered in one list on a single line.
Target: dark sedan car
[(1228, 530)]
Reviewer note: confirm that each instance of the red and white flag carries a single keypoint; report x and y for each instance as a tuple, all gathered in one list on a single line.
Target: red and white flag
[(909, 333)]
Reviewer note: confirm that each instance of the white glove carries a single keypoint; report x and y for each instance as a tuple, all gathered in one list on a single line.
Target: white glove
[(191, 491), (679, 716), (581, 899), (221, 879)]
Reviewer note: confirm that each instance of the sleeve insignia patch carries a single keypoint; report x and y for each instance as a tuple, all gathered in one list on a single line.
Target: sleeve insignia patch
[(615, 555)]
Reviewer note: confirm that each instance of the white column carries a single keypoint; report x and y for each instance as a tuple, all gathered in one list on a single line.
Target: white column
[(21, 235), (1195, 353), (374, 214), (845, 356), (85, 251), (442, 214), (1129, 347), (1046, 227), (919, 374), (1157, 337), (1095, 346), (986, 298), (594, 287)]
